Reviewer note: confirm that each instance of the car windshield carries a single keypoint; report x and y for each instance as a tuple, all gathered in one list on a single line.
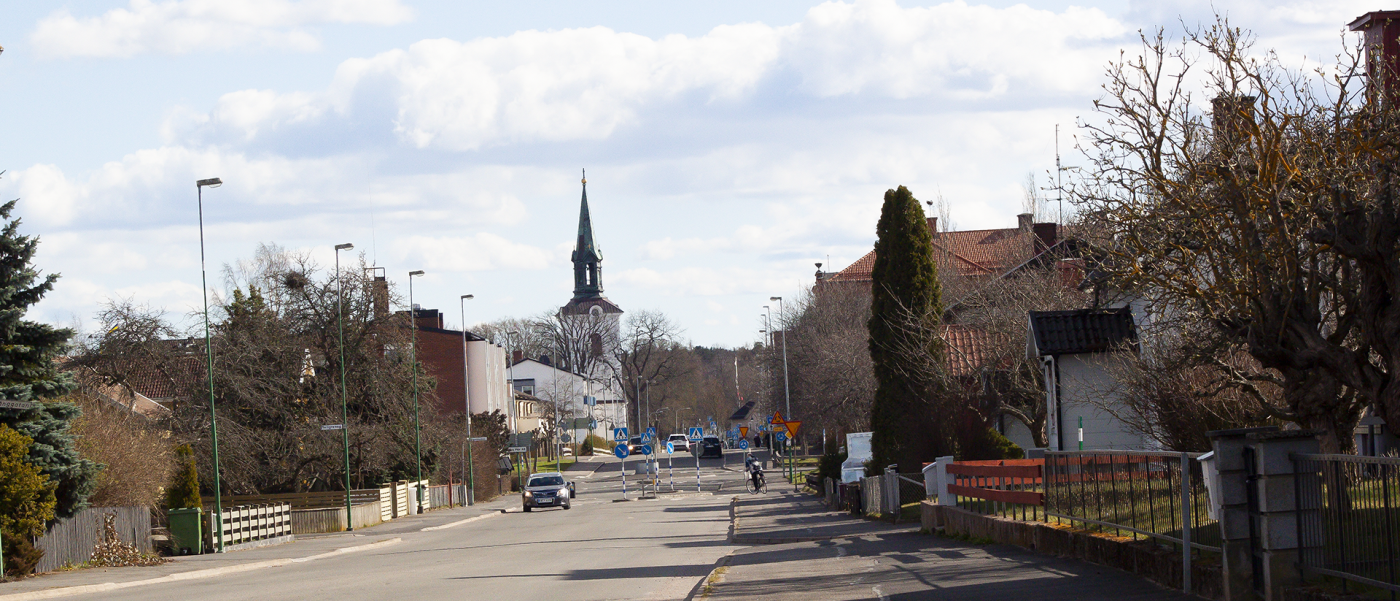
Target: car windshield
[(547, 481)]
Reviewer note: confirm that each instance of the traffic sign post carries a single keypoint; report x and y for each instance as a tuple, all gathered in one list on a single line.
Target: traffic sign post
[(671, 473), (621, 452)]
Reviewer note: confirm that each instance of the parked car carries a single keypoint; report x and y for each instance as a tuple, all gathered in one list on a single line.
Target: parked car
[(681, 442), (710, 446), (547, 489), (566, 450)]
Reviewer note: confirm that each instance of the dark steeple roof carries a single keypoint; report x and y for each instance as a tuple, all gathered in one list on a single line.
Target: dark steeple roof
[(588, 282)]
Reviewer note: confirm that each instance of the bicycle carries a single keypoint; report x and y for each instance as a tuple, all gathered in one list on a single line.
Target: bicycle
[(762, 486)]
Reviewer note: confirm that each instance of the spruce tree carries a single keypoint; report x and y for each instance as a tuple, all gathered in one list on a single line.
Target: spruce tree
[(28, 371), (904, 286)]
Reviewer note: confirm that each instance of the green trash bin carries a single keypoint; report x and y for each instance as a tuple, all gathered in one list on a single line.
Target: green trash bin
[(187, 530)]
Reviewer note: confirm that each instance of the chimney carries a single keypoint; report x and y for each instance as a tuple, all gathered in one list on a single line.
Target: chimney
[(1232, 117), (1046, 235), (932, 225), (517, 356), (379, 291), (1023, 221), (1381, 37)]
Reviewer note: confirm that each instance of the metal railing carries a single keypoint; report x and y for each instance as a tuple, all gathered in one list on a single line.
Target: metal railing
[(1133, 493), (1348, 512)]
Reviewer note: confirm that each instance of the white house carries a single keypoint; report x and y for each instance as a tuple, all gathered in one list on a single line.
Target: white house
[(1076, 352), (567, 390)]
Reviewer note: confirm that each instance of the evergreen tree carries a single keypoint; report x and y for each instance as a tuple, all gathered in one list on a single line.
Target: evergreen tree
[(904, 288), (26, 502), (184, 490), (28, 371)]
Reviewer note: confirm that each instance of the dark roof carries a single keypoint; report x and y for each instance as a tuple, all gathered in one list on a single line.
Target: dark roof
[(1082, 331), (581, 307)]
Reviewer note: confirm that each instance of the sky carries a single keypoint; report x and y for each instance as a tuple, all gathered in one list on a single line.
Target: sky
[(730, 145)]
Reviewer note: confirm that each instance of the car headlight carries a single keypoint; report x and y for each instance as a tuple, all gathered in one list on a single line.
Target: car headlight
[(529, 494)]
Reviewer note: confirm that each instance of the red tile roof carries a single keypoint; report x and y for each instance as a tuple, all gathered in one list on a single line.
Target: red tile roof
[(973, 253), (966, 348)]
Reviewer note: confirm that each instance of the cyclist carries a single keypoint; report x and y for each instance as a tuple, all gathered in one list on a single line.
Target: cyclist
[(755, 470)]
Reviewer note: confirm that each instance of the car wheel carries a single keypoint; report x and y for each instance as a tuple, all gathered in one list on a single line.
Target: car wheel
[(568, 505)]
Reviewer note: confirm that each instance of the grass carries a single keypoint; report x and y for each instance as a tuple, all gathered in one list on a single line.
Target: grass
[(552, 465)]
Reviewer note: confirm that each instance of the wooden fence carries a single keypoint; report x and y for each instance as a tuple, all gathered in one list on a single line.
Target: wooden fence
[(245, 524), (332, 519), (302, 500), (71, 541), (1015, 481)]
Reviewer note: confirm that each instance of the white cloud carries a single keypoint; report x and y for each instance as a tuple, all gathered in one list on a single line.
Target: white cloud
[(184, 26), (585, 84), (481, 252)]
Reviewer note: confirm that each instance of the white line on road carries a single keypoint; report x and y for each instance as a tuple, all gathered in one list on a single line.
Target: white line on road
[(460, 522), (190, 575)]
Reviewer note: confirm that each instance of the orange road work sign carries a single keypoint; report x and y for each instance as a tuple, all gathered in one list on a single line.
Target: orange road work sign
[(792, 427)]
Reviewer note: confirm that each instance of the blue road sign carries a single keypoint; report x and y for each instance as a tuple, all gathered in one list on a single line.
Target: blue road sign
[(590, 400), (670, 447), (619, 434), (620, 451), (696, 434), (646, 436), (743, 445), (592, 424), (651, 431), (645, 450), (780, 435)]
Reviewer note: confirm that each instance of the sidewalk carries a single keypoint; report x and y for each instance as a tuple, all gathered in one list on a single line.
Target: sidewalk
[(306, 548), (806, 553), (787, 517)]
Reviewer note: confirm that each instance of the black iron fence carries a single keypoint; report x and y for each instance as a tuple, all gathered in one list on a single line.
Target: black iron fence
[(1133, 494), (1349, 518)]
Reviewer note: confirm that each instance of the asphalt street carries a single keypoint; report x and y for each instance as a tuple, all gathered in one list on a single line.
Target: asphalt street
[(660, 544)]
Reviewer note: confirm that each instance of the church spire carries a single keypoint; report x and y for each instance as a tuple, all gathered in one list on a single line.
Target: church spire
[(588, 283)]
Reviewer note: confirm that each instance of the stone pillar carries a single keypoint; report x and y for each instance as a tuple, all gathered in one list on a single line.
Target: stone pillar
[(1238, 569), (1279, 506)]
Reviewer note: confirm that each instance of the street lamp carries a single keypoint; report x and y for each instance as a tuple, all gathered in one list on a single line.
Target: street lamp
[(471, 466), (413, 364), (782, 320), (510, 360), (199, 186), (344, 411)]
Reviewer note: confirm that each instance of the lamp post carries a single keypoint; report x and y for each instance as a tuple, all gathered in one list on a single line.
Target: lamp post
[(413, 364), (787, 394), (471, 466), (199, 186), (510, 360), (344, 411)]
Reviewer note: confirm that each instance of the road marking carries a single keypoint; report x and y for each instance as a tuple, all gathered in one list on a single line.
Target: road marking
[(190, 575), (879, 593), (458, 522)]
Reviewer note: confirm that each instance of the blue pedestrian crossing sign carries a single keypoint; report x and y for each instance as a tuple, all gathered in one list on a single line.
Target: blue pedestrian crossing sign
[(592, 424), (651, 432), (670, 447), (619, 434), (620, 451), (743, 445), (696, 434)]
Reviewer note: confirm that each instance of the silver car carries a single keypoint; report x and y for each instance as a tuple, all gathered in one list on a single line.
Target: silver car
[(547, 489)]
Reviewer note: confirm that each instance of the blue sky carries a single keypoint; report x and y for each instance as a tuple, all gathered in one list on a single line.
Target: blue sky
[(729, 145)]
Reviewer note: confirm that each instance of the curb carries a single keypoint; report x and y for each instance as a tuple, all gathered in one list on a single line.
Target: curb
[(190, 575), (460, 522), (702, 588)]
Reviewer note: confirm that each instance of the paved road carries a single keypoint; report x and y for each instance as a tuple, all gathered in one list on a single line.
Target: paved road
[(659, 548)]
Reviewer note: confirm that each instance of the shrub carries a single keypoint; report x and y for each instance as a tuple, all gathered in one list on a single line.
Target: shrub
[(587, 448), (184, 489), (21, 556)]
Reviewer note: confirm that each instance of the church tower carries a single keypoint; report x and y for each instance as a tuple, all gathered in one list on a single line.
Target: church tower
[(588, 269)]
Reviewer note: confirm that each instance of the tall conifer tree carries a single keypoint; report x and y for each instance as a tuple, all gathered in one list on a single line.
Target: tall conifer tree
[(28, 371), (904, 285)]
